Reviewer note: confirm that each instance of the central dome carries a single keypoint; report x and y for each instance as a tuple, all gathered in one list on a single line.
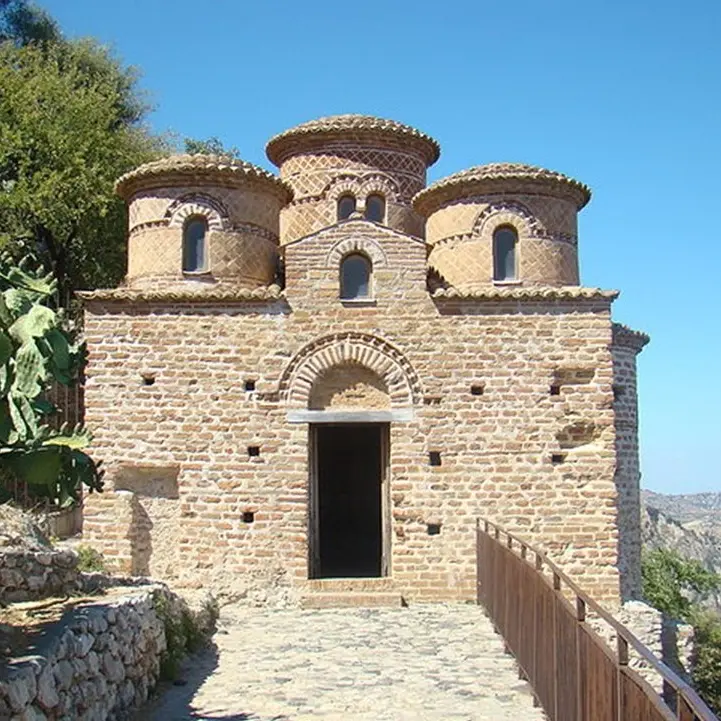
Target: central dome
[(350, 126)]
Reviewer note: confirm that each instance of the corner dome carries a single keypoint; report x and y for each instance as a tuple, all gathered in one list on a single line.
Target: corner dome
[(357, 127), (207, 169), (500, 177)]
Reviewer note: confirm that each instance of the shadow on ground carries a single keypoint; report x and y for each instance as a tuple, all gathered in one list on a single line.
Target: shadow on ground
[(172, 700)]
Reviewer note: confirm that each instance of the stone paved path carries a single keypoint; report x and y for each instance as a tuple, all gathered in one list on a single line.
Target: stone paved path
[(423, 663)]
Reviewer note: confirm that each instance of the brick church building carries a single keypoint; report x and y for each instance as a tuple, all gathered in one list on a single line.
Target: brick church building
[(327, 375)]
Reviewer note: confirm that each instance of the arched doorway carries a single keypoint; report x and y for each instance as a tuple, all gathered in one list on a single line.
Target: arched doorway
[(348, 473), (349, 388)]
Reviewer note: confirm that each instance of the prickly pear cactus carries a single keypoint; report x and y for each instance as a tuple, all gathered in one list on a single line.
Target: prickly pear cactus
[(35, 351)]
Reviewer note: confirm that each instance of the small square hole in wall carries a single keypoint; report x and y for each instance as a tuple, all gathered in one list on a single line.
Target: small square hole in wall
[(557, 458), (555, 390), (253, 451), (477, 389), (434, 458), (148, 379), (249, 384), (434, 529), (618, 392), (248, 516)]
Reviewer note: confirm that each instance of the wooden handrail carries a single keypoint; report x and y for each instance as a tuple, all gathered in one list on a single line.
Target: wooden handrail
[(536, 619)]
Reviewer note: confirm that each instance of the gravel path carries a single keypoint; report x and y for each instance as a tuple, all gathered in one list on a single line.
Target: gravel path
[(423, 663)]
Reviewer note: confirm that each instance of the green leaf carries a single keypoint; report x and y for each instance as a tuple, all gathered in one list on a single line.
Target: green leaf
[(33, 324), (16, 417), (29, 371), (43, 407), (37, 467), (6, 348), (79, 438)]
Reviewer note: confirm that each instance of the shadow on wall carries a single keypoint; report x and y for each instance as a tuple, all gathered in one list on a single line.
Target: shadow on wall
[(149, 485)]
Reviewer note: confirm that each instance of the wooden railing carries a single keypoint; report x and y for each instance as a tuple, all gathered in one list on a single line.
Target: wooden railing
[(574, 674)]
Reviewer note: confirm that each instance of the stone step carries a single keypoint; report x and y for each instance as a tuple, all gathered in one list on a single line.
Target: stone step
[(336, 585), (351, 599)]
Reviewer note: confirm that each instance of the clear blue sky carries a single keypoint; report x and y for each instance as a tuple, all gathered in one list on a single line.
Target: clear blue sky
[(621, 94)]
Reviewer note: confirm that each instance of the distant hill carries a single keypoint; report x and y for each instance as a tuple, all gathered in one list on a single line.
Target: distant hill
[(687, 523)]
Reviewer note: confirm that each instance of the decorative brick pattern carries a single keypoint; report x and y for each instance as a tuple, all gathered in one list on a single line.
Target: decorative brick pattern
[(357, 244), (377, 356)]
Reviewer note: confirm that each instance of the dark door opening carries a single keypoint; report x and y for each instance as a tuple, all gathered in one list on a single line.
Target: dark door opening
[(349, 469)]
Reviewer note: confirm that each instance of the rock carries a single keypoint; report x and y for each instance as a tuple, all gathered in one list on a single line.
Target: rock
[(21, 689), (114, 669), (44, 559), (98, 624), (47, 696), (93, 661), (63, 673), (35, 583), (127, 694), (31, 713), (83, 643)]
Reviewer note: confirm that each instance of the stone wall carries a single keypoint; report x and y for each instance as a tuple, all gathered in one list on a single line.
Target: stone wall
[(99, 662), (26, 575), (514, 396), (626, 347)]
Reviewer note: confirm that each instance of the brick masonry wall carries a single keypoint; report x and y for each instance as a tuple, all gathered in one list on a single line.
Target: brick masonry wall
[(628, 473), (541, 464), (461, 238), (243, 233), (320, 177)]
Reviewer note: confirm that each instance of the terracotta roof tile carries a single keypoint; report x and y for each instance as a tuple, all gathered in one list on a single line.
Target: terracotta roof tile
[(280, 146), (525, 293), (625, 336), (198, 165), (483, 178), (181, 295)]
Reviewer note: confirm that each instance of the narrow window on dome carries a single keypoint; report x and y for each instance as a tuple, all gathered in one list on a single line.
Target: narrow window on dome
[(355, 277), (376, 208), (504, 253), (195, 252), (346, 207)]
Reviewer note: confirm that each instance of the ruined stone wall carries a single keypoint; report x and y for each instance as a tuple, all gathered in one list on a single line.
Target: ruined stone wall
[(26, 575), (97, 662), (516, 397)]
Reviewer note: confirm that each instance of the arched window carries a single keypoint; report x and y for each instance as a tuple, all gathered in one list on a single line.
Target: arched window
[(504, 253), (355, 277), (195, 251), (376, 208), (346, 206)]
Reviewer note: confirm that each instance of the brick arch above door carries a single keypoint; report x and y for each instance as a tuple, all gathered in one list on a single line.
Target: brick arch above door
[(369, 351)]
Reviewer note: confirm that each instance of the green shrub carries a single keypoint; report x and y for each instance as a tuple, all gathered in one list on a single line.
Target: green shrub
[(183, 634), (706, 674), (670, 582), (90, 560)]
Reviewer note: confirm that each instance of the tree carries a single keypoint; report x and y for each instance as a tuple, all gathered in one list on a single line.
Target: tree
[(36, 351), (211, 146), (71, 122), (671, 582), (23, 23), (676, 585)]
